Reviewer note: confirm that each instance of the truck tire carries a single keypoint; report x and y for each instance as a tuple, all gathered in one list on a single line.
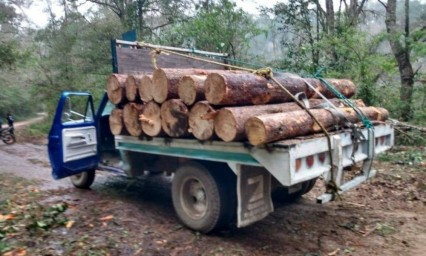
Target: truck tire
[(281, 194), (83, 180), (204, 198)]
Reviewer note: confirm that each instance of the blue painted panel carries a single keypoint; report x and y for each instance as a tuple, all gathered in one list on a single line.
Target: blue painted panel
[(55, 144)]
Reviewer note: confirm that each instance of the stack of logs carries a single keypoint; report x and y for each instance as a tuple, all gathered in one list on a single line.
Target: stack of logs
[(226, 105)]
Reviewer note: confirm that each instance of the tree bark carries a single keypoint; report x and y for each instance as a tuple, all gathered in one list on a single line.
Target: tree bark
[(201, 120), (402, 56), (151, 119), (116, 124), (247, 89), (229, 122), (131, 87), (174, 118), (116, 89), (131, 114), (191, 89), (145, 88), (279, 126), (166, 82), (344, 86)]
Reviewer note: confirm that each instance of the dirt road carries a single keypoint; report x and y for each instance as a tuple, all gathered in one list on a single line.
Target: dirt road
[(136, 217)]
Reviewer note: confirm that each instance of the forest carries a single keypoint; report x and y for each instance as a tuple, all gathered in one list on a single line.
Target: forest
[(380, 45)]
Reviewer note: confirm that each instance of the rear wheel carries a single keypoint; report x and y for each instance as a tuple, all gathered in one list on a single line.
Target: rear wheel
[(203, 198), (84, 179), (8, 139)]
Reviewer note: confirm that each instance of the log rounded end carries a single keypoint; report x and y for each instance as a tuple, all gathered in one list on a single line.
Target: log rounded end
[(225, 125), (116, 121), (187, 90), (145, 88), (131, 114), (131, 88), (115, 89), (256, 131), (151, 125), (215, 88), (201, 127), (161, 85), (174, 118)]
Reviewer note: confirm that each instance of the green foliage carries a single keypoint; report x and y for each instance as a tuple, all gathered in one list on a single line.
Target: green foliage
[(74, 55), (221, 27)]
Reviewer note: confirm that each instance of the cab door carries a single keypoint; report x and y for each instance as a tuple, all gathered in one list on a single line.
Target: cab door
[(72, 138)]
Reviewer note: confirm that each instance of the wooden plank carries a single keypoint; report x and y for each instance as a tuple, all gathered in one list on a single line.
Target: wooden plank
[(138, 61)]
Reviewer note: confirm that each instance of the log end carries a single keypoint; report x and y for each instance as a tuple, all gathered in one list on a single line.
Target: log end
[(187, 90), (152, 124), (202, 128), (174, 118), (215, 88), (116, 121), (225, 125), (131, 88), (256, 131), (115, 89), (131, 114), (145, 88), (160, 86)]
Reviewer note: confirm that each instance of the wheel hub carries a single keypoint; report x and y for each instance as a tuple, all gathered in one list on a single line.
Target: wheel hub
[(194, 198)]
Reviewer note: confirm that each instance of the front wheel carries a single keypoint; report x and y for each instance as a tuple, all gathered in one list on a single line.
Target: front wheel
[(202, 198), (9, 139), (84, 179)]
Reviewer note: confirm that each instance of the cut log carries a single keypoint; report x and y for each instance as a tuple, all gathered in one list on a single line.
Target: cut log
[(116, 124), (201, 120), (131, 87), (166, 81), (246, 88), (279, 126), (229, 122), (191, 89), (145, 88), (131, 114), (151, 119), (174, 118), (344, 86), (116, 89)]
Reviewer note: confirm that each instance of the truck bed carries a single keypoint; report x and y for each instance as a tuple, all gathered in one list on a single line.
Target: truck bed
[(289, 161)]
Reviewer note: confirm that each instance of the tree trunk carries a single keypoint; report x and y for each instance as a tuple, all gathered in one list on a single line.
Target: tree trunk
[(145, 88), (116, 89), (131, 87), (279, 126), (166, 82), (201, 120), (131, 114), (151, 119), (229, 122), (344, 86), (246, 88), (191, 89), (116, 124), (174, 118), (402, 56)]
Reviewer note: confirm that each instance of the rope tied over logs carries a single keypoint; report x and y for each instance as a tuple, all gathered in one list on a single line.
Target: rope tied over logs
[(267, 73)]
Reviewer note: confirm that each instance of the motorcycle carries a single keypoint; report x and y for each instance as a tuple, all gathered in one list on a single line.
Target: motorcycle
[(7, 136)]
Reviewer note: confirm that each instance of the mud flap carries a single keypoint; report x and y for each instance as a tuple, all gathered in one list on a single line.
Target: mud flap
[(254, 194)]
